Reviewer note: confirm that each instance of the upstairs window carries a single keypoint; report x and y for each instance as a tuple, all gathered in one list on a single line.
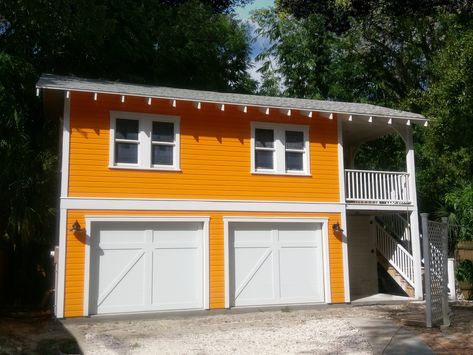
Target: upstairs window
[(264, 149), (143, 141), (126, 141), (295, 150), (163, 141), (280, 149)]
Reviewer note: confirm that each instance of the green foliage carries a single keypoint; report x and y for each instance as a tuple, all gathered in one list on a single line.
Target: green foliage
[(460, 204), (185, 43), (183, 59), (464, 271), (301, 51), (27, 178), (386, 153), (411, 55), (447, 149)]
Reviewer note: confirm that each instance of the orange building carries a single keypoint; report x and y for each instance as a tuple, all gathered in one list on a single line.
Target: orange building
[(176, 199)]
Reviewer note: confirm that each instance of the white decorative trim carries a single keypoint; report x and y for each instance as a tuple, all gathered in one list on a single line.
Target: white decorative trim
[(144, 142), (341, 165), (414, 217), (341, 177), (197, 205), (61, 266), (379, 207), (205, 248), (226, 264), (303, 110), (346, 265), (326, 254), (66, 132), (279, 155), (325, 247)]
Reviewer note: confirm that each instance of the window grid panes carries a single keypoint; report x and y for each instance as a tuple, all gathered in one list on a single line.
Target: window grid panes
[(294, 150), (280, 149), (162, 143), (126, 141), (264, 149)]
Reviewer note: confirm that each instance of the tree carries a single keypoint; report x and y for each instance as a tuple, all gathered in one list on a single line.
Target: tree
[(447, 149), (186, 43)]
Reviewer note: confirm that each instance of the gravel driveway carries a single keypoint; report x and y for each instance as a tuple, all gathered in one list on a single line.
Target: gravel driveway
[(318, 330)]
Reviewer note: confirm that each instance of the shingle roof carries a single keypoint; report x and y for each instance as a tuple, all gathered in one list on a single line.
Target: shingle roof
[(56, 82)]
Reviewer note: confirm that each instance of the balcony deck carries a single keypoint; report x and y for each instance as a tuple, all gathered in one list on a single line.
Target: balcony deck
[(381, 188)]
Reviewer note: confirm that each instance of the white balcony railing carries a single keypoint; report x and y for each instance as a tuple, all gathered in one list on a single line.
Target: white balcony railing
[(378, 187), (396, 254)]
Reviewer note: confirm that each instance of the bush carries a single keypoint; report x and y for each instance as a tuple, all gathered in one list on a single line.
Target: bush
[(460, 202), (464, 271)]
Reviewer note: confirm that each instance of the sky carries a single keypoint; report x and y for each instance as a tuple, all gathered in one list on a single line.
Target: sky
[(259, 43), (244, 12)]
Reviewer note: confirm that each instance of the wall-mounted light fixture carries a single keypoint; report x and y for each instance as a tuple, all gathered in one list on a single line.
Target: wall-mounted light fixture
[(76, 228), (336, 228)]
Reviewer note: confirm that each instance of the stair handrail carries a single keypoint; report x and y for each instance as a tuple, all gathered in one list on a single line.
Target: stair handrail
[(397, 256), (398, 227)]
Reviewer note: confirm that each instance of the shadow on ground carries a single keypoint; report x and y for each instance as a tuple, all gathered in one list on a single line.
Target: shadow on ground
[(34, 332), (456, 339)]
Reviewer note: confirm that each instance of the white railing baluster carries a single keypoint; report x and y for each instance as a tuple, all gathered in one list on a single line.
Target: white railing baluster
[(396, 254), (379, 187)]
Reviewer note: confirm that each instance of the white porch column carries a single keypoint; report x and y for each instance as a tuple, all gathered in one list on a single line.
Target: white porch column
[(341, 176), (414, 216)]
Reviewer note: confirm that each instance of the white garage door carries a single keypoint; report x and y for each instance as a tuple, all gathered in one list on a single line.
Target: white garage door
[(276, 263), (146, 266)]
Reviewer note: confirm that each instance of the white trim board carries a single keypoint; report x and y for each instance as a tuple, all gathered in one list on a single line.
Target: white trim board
[(232, 103), (325, 247), (198, 205), (66, 137), (346, 265), (279, 149), (374, 207), (61, 265), (144, 141), (205, 255)]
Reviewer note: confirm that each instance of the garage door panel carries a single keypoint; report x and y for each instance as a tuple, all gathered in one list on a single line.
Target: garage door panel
[(258, 284), (176, 280), (170, 232), (276, 263), (144, 266), (247, 263), (126, 289), (300, 274), (114, 266), (124, 235), (253, 233), (296, 232)]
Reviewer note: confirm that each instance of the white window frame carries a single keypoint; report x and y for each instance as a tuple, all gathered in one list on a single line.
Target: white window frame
[(279, 163), (145, 127)]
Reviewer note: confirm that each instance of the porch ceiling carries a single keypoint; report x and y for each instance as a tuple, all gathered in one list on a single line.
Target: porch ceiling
[(360, 131)]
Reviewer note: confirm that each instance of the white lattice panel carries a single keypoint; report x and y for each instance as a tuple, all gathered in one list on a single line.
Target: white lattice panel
[(436, 280)]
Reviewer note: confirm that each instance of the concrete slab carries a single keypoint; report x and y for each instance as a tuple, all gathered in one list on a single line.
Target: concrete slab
[(382, 298), (166, 315), (386, 337)]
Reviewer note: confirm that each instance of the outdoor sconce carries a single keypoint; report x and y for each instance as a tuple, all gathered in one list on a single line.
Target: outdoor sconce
[(76, 228), (336, 228)]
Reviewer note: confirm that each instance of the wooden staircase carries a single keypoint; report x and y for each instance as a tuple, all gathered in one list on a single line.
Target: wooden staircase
[(395, 275), (393, 254)]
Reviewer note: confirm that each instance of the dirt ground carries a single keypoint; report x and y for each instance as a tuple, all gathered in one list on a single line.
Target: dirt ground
[(456, 339), (34, 332), (312, 330)]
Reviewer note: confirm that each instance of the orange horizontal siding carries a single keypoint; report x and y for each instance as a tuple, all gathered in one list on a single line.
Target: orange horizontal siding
[(75, 253), (215, 155)]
